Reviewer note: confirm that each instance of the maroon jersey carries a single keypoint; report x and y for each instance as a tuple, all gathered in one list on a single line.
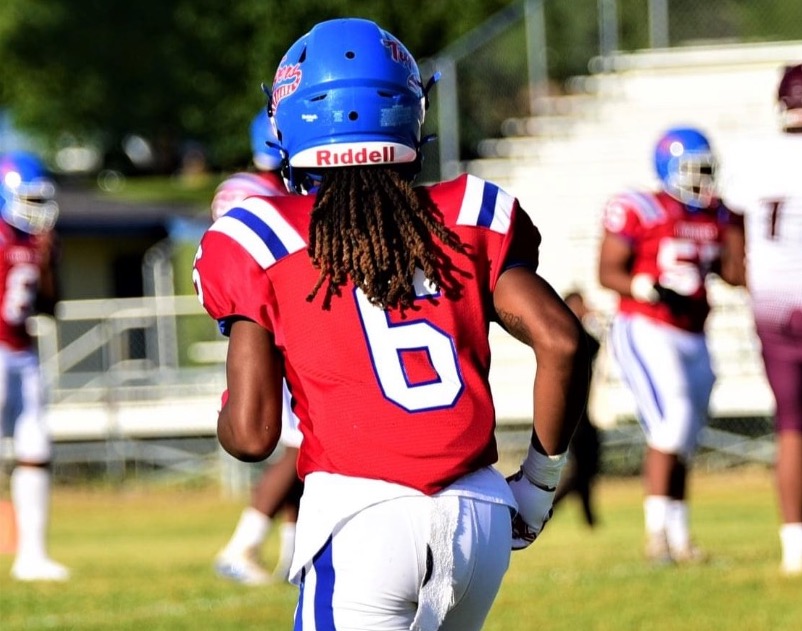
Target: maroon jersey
[(675, 245), (20, 260), (404, 399)]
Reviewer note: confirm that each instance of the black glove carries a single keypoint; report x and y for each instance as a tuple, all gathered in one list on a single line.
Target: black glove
[(677, 303)]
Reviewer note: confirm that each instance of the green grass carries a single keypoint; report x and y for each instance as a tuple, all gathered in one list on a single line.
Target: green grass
[(141, 559)]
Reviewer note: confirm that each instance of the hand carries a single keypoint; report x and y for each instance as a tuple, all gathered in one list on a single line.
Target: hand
[(677, 303), (643, 288), (535, 508)]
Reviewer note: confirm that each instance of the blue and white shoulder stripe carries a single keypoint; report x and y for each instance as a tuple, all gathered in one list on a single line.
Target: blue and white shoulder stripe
[(259, 228), (646, 205), (486, 205)]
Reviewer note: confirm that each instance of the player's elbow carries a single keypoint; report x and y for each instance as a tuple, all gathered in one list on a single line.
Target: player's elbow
[(250, 451), (245, 439), (566, 343)]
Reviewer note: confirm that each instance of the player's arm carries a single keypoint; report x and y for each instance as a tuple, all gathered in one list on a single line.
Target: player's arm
[(249, 424), (615, 265), (47, 293), (530, 310), (733, 253), (615, 260)]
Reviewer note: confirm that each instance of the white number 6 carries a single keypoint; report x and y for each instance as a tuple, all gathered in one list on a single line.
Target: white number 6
[(387, 340)]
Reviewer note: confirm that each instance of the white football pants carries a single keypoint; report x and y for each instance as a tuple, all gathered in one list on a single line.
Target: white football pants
[(376, 568), (670, 375)]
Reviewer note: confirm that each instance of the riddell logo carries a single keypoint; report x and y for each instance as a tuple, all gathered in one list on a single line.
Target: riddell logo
[(329, 158), (346, 154)]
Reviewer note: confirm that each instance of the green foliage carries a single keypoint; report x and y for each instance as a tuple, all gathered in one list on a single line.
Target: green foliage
[(196, 191), (179, 71), (141, 558), (176, 70)]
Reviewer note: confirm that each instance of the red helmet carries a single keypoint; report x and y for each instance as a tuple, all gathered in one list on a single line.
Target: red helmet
[(789, 96)]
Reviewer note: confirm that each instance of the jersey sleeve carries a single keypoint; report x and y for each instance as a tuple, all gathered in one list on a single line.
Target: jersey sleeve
[(224, 199), (522, 245), (503, 229), (231, 266), (624, 214), (229, 283), (238, 187)]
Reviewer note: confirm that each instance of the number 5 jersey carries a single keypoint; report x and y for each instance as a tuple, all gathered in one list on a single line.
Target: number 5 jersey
[(675, 245)]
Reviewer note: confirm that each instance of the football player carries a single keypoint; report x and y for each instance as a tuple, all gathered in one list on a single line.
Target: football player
[(763, 182), (29, 211), (265, 180), (374, 299), (278, 489), (657, 250)]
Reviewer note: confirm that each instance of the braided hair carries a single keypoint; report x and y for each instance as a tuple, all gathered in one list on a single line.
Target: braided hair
[(370, 225)]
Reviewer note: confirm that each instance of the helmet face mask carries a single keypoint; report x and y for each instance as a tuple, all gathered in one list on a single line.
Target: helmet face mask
[(345, 94), (27, 194), (686, 167)]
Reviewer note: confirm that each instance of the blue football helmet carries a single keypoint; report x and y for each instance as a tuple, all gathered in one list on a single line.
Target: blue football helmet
[(347, 93), (27, 193), (264, 144), (686, 166)]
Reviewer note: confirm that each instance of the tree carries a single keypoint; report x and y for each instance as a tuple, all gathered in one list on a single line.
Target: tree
[(173, 71)]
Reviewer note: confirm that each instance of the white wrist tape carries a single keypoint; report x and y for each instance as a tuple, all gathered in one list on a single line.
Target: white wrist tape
[(541, 470), (642, 289)]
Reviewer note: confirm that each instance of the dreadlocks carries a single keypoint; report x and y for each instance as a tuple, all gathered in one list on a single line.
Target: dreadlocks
[(370, 225)]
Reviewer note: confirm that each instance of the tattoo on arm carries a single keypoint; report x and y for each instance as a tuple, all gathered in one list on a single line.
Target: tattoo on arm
[(514, 325)]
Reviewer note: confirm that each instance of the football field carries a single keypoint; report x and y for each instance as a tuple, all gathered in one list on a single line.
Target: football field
[(141, 558)]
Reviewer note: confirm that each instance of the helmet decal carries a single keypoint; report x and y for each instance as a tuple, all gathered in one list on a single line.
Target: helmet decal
[(286, 82)]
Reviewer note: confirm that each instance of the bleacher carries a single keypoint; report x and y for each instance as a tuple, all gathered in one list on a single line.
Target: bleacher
[(562, 164), (581, 148)]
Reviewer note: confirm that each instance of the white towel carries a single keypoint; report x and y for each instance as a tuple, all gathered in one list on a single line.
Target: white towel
[(436, 597)]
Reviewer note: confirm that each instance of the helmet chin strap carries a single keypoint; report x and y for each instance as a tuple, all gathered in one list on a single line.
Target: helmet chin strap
[(427, 88)]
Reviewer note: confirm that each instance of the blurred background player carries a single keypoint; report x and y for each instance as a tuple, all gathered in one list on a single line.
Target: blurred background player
[(27, 286), (278, 490), (265, 180), (374, 300), (763, 181), (656, 253), (584, 451)]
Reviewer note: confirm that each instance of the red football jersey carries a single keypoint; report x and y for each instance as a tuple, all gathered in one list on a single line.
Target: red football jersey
[(20, 258), (237, 187), (677, 246), (402, 399)]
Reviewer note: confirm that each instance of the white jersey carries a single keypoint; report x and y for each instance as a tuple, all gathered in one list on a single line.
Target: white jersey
[(763, 181)]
